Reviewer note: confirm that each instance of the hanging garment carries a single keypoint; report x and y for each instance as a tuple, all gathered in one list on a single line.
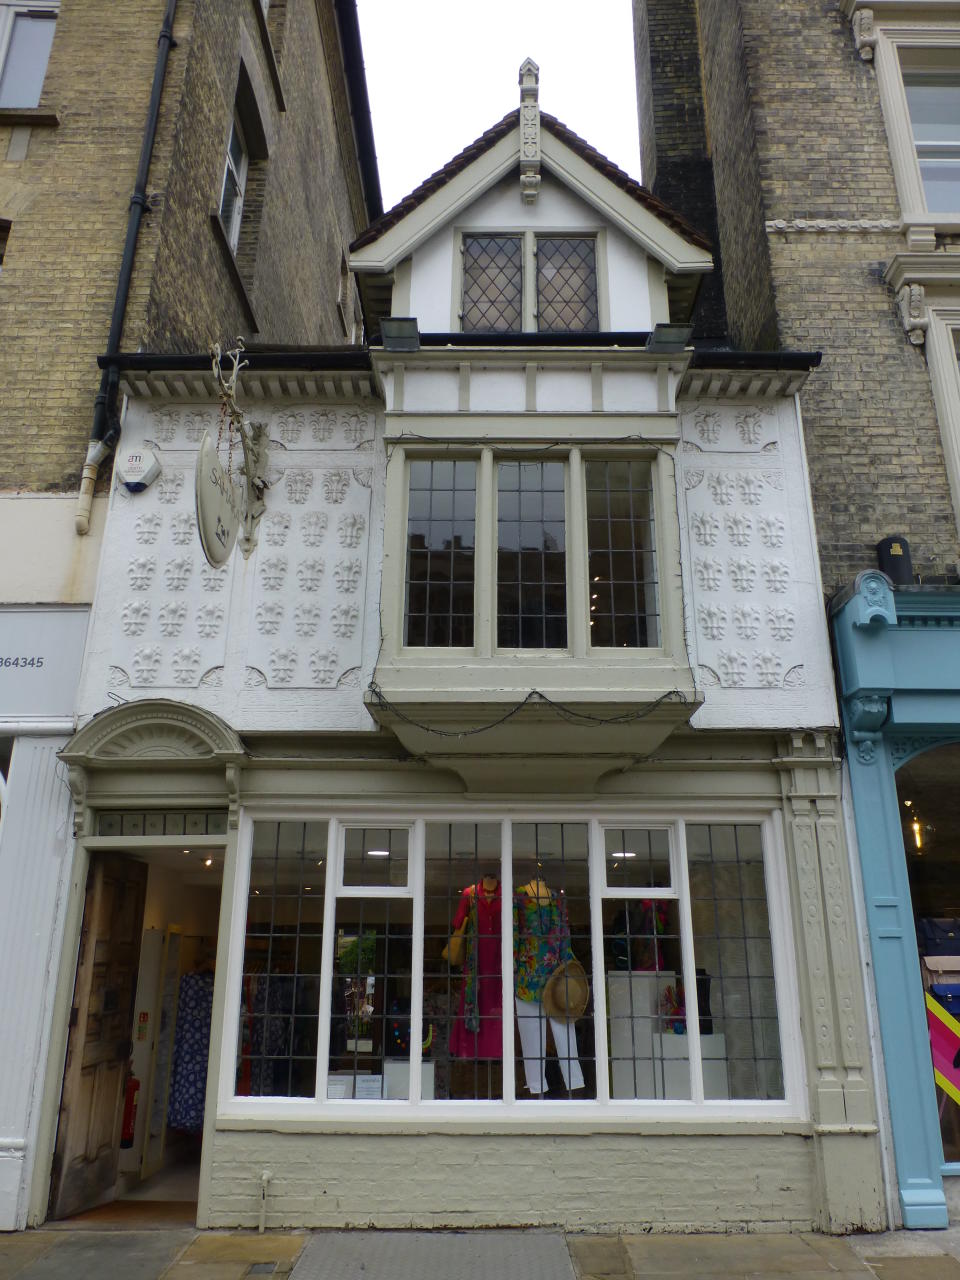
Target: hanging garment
[(532, 1026), (478, 1028), (541, 941), (266, 1030), (191, 1048)]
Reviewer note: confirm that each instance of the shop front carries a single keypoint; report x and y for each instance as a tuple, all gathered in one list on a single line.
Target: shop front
[(433, 1006), (900, 686)]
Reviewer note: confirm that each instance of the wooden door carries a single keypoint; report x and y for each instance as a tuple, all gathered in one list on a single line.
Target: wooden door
[(99, 1042)]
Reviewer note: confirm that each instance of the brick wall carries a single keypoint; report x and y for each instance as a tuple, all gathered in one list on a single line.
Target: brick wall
[(624, 1182), (796, 131), (67, 200)]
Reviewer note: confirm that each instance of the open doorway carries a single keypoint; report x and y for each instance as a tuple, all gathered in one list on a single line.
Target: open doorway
[(929, 801), (132, 1103)]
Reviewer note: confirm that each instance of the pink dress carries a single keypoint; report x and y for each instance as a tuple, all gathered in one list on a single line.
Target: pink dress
[(488, 1041)]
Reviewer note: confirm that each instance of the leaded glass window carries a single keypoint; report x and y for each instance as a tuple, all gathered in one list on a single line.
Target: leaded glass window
[(531, 556), (622, 562), (567, 284), (440, 553), (492, 284)]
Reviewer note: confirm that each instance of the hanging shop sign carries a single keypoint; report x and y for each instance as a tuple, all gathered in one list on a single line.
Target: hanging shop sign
[(219, 504)]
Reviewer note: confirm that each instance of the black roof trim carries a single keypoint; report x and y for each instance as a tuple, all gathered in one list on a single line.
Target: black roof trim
[(716, 359), (349, 24), (347, 359), (565, 339)]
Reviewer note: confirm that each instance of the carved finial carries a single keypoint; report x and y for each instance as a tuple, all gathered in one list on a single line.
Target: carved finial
[(529, 130)]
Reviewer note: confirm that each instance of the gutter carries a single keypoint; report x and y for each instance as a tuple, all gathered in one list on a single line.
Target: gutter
[(356, 78), (347, 359), (106, 424)]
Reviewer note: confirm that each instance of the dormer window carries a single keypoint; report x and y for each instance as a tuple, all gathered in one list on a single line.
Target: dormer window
[(522, 283)]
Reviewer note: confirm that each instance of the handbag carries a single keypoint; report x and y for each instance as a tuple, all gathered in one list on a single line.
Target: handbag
[(455, 950), (939, 937), (947, 994)]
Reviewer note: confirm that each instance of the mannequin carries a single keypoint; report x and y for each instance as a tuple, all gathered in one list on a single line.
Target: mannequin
[(541, 942), (478, 1028)]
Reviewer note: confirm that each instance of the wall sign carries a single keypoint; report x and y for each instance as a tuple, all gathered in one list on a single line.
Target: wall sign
[(219, 505), (40, 655), (137, 469)]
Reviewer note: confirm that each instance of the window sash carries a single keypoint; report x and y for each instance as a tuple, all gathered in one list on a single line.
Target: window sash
[(234, 184), (26, 39), (600, 890), (633, 573)]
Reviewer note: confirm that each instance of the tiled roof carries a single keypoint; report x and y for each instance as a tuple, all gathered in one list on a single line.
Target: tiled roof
[(489, 139)]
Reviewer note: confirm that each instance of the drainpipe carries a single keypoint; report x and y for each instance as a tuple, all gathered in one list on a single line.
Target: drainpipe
[(106, 424)]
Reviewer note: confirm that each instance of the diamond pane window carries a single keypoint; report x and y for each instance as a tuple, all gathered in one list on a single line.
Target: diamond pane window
[(567, 284), (492, 284), (622, 562)]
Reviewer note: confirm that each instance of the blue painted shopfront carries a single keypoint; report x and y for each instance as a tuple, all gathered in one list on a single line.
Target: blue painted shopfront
[(899, 667)]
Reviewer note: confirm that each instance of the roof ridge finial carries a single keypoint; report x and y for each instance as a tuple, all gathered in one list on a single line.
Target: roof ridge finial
[(529, 130)]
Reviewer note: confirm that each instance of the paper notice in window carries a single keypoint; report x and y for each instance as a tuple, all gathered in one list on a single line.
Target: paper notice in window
[(369, 1087)]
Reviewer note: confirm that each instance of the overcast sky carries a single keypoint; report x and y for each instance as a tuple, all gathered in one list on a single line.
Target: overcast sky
[(440, 72)]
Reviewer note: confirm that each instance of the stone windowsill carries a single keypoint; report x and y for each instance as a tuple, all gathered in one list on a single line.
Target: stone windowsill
[(29, 116), (220, 234), (270, 56)]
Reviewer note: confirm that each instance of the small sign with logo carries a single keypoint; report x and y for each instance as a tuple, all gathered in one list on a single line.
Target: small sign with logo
[(219, 504)]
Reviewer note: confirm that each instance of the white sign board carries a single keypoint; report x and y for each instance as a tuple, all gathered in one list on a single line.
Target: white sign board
[(219, 505), (40, 655)]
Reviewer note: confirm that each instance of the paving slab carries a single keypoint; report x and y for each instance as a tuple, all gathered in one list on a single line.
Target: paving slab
[(598, 1256), (716, 1255), (207, 1271), (900, 1244), (94, 1255), (442, 1255), (837, 1253), (17, 1248), (929, 1268), (282, 1247)]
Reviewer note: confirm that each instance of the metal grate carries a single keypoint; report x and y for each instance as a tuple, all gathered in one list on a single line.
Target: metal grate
[(492, 284), (441, 524), (567, 284), (622, 562), (531, 556)]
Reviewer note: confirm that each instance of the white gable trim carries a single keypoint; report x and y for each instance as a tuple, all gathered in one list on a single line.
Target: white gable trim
[(656, 238)]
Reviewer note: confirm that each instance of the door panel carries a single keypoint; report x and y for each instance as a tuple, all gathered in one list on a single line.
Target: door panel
[(98, 1046)]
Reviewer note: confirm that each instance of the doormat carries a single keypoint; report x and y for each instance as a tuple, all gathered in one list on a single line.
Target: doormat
[(455, 1255)]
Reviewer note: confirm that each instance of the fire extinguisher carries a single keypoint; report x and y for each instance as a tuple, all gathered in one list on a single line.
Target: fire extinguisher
[(130, 1096)]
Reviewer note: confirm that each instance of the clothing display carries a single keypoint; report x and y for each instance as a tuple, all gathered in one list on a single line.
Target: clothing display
[(532, 1027), (188, 1080), (541, 938), (478, 1028)]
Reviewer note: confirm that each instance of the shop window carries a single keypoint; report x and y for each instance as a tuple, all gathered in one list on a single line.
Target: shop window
[(26, 38), (513, 283), (509, 960), (534, 562)]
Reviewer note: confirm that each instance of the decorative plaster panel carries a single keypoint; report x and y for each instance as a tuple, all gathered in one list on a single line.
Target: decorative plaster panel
[(265, 642), (754, 612)]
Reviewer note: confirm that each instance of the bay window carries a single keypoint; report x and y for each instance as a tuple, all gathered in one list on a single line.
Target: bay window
[(419, 962), (542, 557)]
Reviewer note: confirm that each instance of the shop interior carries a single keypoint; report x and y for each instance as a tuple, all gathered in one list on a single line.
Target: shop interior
[(929, 802)]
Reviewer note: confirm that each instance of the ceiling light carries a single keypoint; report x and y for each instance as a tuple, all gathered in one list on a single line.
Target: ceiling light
[(907, 804), (208, 862), (378, 853), (918, 838), (623, 853), (186, 851)]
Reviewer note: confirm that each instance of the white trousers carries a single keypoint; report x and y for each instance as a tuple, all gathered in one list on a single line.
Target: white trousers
[(532, 1024)]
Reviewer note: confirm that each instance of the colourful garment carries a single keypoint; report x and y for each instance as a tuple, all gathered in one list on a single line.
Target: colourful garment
[(188, 1081), (478, 1029), (541, 942)]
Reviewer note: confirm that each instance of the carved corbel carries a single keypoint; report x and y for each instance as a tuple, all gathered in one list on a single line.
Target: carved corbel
[(77, 782), (873, 602), (864, 33), (913, 314), (529, 131)]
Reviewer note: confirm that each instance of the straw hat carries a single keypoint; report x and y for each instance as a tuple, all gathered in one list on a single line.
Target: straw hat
[(567, 992)]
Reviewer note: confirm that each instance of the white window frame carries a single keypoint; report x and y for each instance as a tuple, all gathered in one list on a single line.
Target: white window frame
[(8, 12), (883, 28), (240, 177), (574, 456), (529, 236), (320, 1112)]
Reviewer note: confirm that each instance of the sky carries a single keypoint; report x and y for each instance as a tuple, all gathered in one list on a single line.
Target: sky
[(440, 72)]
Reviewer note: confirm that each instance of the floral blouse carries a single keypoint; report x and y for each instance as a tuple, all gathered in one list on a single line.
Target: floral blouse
[(541, 942)]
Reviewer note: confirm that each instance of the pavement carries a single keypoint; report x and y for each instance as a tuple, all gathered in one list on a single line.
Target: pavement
[(164, 1252)]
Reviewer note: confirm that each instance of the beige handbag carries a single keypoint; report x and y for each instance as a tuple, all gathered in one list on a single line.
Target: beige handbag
[(455, 949)]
